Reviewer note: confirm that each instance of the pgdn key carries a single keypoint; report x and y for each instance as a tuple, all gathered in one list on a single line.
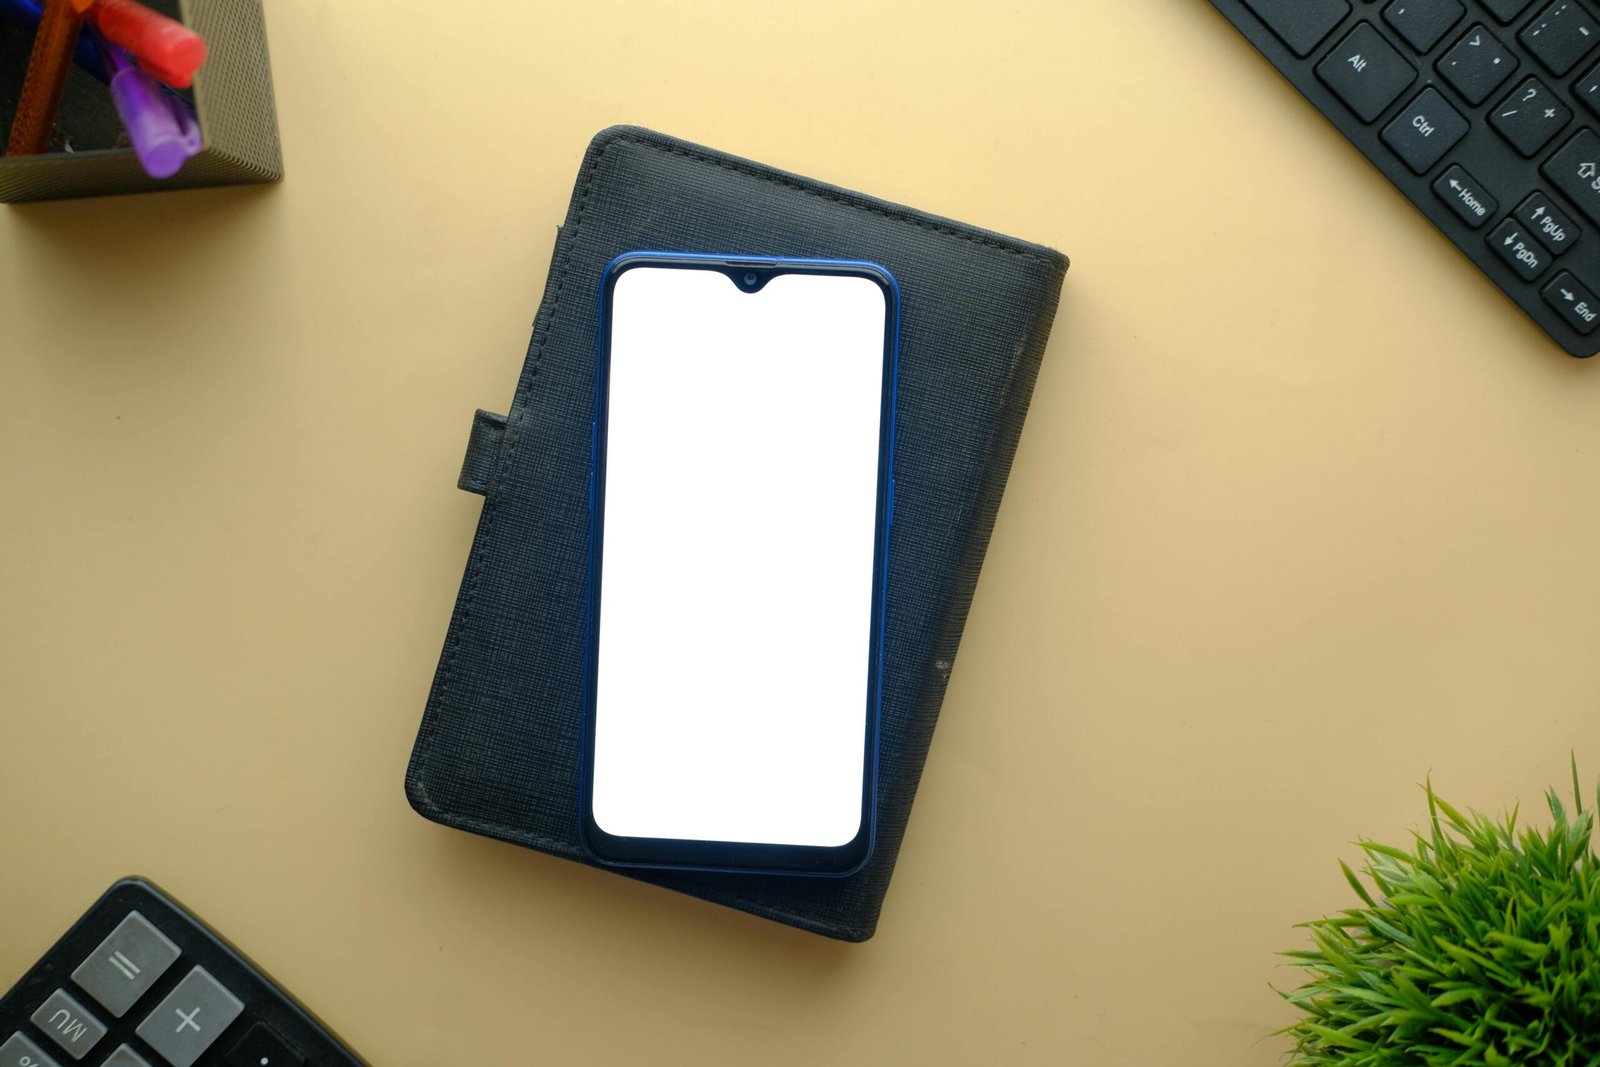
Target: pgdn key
[(1517, 247)]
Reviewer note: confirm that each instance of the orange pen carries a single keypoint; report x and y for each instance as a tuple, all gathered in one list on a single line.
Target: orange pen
[(48, 63)]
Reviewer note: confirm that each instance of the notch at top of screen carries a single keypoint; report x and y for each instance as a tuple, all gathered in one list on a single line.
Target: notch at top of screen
[(750, 278)]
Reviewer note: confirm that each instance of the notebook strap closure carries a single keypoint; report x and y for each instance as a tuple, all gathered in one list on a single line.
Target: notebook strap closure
[(483, 449)]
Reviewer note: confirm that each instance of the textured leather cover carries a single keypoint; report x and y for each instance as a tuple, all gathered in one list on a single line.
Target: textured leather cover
[(498, 752)]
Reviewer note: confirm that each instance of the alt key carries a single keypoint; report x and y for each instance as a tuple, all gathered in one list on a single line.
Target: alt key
[(1576, 304)]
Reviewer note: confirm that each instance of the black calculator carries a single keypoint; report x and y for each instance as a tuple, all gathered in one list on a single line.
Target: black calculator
[(138, 981)]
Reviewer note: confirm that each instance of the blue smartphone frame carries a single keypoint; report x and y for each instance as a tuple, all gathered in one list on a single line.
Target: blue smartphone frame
[(726, 856)]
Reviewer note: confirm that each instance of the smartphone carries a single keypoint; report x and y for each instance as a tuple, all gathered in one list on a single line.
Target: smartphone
[(740, 498)]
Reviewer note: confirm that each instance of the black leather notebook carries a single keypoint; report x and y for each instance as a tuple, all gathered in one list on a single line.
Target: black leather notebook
[(499, 749)]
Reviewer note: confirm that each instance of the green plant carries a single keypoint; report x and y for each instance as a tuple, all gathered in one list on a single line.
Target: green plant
[(1479, 948)]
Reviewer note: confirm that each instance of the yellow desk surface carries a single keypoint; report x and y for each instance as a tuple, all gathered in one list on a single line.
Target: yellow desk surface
[(1304, 510)]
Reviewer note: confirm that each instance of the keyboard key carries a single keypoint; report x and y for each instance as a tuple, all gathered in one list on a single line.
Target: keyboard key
[(1530, 117), (1517, 248), (125, 966), (1467, 198), (1478, 65), (1575, 170), (1366, 72), (192, 1016), (1300, 24), (1506, 10), (126, 1057), (1425, 131), (262, 1048), (65, 1022), (1588, 90), (1553, 229), (1423, 22), (1572, 302), (18, 1051), (1561, 35)]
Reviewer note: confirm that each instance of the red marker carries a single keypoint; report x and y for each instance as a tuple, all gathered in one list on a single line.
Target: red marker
[(167, 49)]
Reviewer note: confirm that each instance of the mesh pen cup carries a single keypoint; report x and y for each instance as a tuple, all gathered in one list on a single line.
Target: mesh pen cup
[(90, 156)]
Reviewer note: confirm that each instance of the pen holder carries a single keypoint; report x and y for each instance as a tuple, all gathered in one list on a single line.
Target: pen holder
[(232, 98)]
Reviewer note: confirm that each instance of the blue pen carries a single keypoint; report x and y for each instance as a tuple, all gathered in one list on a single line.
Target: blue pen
[(27, 13)]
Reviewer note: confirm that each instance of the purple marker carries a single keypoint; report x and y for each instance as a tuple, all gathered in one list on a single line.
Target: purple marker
[(163, 132)]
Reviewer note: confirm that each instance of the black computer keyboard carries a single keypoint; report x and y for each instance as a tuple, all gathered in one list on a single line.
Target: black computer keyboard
[(1483, 112), (139, 982)]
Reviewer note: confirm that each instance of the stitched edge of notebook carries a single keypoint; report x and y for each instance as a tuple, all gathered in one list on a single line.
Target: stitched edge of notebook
[(849, 198), (446, 670)]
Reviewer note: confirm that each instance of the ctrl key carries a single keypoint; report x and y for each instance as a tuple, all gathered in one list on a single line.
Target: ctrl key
[(1425, 131), (1571, 300), (18, 1051)]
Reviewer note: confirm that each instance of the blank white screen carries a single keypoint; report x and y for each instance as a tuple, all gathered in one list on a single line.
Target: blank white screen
[(736, 582)]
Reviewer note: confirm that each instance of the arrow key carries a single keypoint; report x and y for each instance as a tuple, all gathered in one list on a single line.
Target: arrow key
[(1514, 244), (1574, 303), (1466, 196), (1548, 223)]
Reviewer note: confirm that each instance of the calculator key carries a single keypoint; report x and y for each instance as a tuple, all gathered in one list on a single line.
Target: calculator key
[(1300, 24), (1561, 35), (1477, 65), (18, 1051), (1575, 171), (262, 1048), (1573, 302), (1423, 132), (1506, 10), (1514, 244), (1423, 22), (68, 1024), (126, 1057), (190, 1019), (1530, 117), (1366, 72), (127, 963), (1466, 196), (1553, 229)]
